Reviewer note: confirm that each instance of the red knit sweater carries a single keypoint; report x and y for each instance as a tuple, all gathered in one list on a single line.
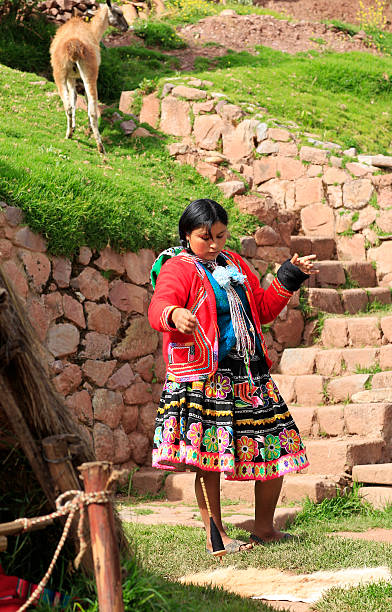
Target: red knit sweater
[(183, 282)]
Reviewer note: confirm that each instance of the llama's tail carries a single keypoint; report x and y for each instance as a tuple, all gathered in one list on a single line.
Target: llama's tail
[(75, 50)]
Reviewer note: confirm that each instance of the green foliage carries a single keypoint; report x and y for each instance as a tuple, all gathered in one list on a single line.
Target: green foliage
[(345, 504), (24, 45), (158, 33), (374, 597), (350, 283), (376, 306), (374, 369)]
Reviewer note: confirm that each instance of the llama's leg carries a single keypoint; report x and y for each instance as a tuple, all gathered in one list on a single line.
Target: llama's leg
[(90, 86), (64, 94), (71, 86)]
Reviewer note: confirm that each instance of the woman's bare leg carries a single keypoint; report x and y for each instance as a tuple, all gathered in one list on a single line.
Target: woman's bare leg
[(266, 497)]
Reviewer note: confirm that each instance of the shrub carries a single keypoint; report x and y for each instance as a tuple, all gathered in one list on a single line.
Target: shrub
[(159, 34)]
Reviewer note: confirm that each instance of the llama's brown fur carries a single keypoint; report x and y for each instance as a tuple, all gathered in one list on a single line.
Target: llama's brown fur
[(75, 54)]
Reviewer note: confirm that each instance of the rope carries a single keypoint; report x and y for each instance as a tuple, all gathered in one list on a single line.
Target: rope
[(78, 500)]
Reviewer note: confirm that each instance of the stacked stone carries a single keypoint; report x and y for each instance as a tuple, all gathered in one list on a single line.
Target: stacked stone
[(266, 168), (62, 10), (90, 315)]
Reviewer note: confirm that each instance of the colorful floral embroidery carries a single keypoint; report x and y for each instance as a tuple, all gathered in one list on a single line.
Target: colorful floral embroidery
[(272, 447), (210, 440), (170, 431), (194, 434), (182, 426), (290, 440), (272, 391), (246, 448), (223, 439), (219, 386), (158, 436)]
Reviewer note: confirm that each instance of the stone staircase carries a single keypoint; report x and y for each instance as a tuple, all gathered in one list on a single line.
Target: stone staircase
[(376, 481), (338, 389)]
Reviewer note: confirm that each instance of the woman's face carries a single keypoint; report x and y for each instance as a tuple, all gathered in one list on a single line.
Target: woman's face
[(208, 245)]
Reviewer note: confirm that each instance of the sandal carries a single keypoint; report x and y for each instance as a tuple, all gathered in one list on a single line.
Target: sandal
[(233, 547), (254, 539)]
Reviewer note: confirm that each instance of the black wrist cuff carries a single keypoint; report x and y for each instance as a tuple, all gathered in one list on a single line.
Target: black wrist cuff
[(291, 276)]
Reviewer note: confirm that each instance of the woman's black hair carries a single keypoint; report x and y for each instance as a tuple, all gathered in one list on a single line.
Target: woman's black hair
[(200, 213)]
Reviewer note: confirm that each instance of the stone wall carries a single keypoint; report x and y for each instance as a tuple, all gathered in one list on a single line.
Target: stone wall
[(90, 315), (293, 182)]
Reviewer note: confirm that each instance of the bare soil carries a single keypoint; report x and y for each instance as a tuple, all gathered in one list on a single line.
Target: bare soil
[(303, 30)]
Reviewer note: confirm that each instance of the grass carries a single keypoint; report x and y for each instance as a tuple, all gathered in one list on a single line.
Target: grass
[(72, 197), (310, 88)]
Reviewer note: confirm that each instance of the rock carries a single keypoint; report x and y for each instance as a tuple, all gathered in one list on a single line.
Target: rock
[(364, 331), (39, 317), (110, 260), (63, 340), (85, 255), (14, 215), (73, 311), (356, 194), (150, 110), (334, 333), (313, 155), (297, 361), (333, 176), (126, 102), (382, 161), (203, 107), (384, 199), (139, 447), (145, 368), (351, 248), (239, 143), (308, 191), (208, 130), (318, 220), (289, 332), (37, 266), (309, 389), (354, 300), (289, 169), (139, 340), (128, 297), (289, 149), (98, 371), (335, 197), (103, 442), (141, 132), (167, 88), (273, 254), (326, 300), (382, 255), (138, 393), (366, 217), (62, 268), (103, 318), (128, 127), (80, 405), (266, 236), (175, 118), (92, 284), (384, 221), (232, 188), (341, 389), (267, 147), (97, 346), (54, 305), (261, 132), (138, 266), (231, 112), (146, 422), (264, 169), (129, 418), (190, 93), (122, 378), (210, 171), (279, 134), (16, 277), (122, 446), (108, 407), (373, 396), (69, 380), (28, 240)]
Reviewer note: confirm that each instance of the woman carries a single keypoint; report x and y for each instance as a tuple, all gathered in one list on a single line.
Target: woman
[(220, 411)]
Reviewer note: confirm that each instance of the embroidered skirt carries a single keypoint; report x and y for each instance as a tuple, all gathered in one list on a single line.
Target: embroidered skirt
[(223, 424)]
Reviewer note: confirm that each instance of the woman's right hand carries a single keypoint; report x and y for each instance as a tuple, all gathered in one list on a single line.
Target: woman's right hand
[(184, 320)]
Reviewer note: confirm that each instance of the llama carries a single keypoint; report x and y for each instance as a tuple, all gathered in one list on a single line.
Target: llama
[(75, 54)]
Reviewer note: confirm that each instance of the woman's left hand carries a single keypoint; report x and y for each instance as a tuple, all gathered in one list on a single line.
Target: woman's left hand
[(305, 263)]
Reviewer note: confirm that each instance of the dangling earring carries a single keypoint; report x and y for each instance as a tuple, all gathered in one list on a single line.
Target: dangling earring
[(187, 244)]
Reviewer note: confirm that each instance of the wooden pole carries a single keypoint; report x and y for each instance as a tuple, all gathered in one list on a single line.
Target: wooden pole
[(103, 539), (59, 462)]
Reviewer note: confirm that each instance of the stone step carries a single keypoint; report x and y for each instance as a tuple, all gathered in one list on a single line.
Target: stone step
[(375, 474), (343, 301), (334, 274), (298, 487), (358, 332), (339, 455), (323, 248), (315, 389), (340, 420), (378, 497), (337, 361)]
